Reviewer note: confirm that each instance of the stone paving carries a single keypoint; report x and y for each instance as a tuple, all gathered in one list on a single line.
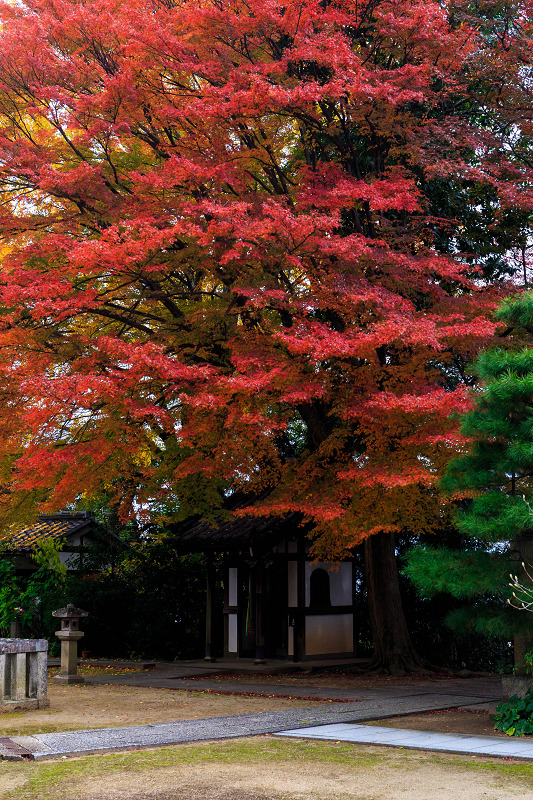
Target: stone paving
[(488, 688), (339, 721), (358, 706), (419, 740)]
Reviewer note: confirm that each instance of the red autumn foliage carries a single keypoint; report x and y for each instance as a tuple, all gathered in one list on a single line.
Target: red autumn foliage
[(221, 268)]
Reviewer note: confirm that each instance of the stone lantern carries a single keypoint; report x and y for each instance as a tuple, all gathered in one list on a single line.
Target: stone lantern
[(69, 635)]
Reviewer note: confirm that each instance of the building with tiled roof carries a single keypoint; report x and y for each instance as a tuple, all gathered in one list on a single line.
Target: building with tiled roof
[(279, 602), (77, 530)]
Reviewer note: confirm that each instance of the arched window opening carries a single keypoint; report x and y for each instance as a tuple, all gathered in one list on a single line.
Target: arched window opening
[(319, 589)]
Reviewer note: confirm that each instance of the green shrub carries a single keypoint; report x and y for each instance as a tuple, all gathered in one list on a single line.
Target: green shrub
[(151, 605), (515, 716), (526, 667), (21, 597)]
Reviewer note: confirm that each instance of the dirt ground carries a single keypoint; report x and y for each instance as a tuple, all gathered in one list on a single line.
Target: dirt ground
[(81, 706), (478, 723), (240, 782), (267, 768), (327, 679), (255, 768), (78, 707)]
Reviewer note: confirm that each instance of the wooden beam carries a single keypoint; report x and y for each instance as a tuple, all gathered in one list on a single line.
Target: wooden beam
[(209, 615)]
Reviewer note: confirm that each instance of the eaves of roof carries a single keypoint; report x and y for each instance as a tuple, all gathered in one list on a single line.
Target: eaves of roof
[(48, 526), (236, 533)]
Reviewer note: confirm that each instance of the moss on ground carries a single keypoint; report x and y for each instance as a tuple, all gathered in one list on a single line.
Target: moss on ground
[(51, 780)]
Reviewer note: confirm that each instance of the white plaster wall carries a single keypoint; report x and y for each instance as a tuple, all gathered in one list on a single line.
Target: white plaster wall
[(232, 633), (69, 559), (340, 581), (233, 593), (328, 633), (341, 584)]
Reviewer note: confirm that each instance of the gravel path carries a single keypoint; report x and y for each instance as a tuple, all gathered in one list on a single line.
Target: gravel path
[(352, 705), (389, 703)]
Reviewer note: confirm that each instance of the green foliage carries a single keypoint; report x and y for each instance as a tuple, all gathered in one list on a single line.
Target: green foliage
[(485, 617), (495, 517), (10, 593), (517, 311), (474, 641), (491, 483), (515, 716), (143, 599), (436, 570), (21, 597), (46, 555), (526, 667)]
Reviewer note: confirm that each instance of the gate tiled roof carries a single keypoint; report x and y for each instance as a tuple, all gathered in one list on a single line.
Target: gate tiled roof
[(48, 526), (234, 531)]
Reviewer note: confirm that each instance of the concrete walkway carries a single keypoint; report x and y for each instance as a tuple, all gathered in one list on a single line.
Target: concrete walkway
[(54, 745), (419, 740), (336, 721), (481, 689)]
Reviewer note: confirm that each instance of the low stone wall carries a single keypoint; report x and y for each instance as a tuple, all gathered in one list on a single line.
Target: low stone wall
[(23, 677), (516, 684)]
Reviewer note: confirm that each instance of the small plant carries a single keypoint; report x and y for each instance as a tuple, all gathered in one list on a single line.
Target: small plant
[(515, 716), (523, 601), (526, 667)]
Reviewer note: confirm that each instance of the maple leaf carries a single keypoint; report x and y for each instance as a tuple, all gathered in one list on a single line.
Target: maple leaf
[(238, 233)]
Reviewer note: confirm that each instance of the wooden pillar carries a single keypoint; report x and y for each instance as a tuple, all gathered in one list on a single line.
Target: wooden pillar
[(299, 628), (355, 621), (209, 609), (259, 613)]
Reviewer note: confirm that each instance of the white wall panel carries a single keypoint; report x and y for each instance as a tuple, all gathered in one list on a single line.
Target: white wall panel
[(233, 593), (232, 633), (340, 581), (328, 633)]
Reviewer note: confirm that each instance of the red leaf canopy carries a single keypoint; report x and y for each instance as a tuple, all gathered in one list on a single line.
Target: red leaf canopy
[(220, 269)]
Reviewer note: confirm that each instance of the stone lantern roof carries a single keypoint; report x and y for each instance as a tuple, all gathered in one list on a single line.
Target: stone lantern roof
[(70, 611)]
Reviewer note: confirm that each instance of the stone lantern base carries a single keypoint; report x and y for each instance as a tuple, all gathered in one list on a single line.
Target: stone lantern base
[(69, 657), (68, 678)]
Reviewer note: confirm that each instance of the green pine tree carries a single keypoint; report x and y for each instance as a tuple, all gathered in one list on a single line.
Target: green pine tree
[(492, 485)]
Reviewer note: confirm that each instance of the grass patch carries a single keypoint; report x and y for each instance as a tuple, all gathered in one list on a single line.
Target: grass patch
[(87, 670), (50, 779), (58, 779), (502, 767), (45, 727)]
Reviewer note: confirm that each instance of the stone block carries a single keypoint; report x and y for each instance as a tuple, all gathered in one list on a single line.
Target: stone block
[(68, 678), (27, 704), (23, 645), (516, 684), (69, 635), (23, 677)]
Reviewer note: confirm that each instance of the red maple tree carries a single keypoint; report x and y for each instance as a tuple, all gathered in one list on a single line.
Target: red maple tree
[(221, 269)]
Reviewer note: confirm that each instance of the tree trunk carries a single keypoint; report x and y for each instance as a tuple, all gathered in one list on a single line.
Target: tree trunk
[(393, 649)]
